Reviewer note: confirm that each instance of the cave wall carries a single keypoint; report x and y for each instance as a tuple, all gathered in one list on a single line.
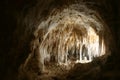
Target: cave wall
[(20, 18)]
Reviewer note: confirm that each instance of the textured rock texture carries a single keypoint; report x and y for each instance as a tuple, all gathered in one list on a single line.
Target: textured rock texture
[(20, 19)]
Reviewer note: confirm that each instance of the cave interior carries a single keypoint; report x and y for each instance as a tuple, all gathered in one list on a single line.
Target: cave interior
[(25, 31)]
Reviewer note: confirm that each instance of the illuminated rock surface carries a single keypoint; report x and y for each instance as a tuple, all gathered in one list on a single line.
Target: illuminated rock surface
[(74, 36), (71, 36)]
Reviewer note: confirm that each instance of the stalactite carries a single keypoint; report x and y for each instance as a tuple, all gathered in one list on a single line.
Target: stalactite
[(72, 36)]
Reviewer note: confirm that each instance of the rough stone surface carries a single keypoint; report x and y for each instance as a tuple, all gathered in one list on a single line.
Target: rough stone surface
[(21, 18)]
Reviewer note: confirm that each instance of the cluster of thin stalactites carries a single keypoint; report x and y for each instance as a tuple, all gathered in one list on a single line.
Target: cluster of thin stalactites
[(70, 36), (65, 45)]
